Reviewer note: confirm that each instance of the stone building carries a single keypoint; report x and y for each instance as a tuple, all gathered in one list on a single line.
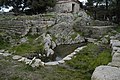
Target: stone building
[(66, 6)]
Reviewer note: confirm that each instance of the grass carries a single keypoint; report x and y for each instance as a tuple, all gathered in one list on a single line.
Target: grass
[(117, 28), (4, 43), (25, 48), (28, 47), (79, 68), (89, 58)]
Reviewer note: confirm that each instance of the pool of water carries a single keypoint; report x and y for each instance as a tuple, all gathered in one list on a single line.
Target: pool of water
[(63, 50), (60, 52)]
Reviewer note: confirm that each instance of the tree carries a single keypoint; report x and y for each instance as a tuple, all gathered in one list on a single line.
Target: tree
[(41, 5), (36, 5), (18, 5)]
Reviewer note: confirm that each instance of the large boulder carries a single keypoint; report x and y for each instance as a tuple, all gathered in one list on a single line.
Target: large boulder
[(106, 73), (115, 59), (63, 33)]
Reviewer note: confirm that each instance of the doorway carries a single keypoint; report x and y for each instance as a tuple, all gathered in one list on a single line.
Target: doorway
[(73, 7)]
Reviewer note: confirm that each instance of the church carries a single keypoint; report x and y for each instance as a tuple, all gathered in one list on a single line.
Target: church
[(67, 6)]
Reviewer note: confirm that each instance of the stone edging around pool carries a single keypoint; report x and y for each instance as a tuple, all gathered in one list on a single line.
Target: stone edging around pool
[(37, 62)]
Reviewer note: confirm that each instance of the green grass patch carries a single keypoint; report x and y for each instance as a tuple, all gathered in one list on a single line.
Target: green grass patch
[(4, 43), (73, 36), (117, 28), (89, 58), (25, 48), (28, 47)]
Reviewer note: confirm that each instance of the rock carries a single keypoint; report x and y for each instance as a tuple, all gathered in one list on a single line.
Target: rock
[(70, 55), (117, 36), (73, 53), (53, 45), (112, 37), (46, 46), (83, 14), (36, 63), (114, 64), (50, 52), (62, 34), (61, 61), (80, 48), (114, 43), (104, 40), (100, 23), (64, 17), (116, 59), (52, 63), (115, 49), (32, 60), (6, 54), (16, 57), (106, 36), (67, 58), (48, 43), (91, 40), (106, 73), (23, 40), (42, 63), (76, 50), (22, 59), (27, 61), (1, 51)]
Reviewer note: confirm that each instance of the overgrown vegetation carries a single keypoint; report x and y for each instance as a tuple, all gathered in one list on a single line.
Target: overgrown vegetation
[(79, 68), (117, 28), (30, 46), (89, 58), (4, 43)]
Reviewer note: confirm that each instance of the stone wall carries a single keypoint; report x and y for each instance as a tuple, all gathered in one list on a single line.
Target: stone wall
[(23, 24), (67, 7), (95, 31)]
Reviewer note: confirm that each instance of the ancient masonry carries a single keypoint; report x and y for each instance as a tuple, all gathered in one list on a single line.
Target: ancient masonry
[(66, 6)]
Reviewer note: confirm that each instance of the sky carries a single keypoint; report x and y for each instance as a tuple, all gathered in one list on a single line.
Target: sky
[(83, 1), (6, 10)]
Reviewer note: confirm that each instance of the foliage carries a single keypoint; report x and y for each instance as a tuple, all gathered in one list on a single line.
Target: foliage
[(28, 47), (3, 43), (104, 9), (16, 4), (89, 58), (73, 36), (35, 5), (117, 28), (41, 5)]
